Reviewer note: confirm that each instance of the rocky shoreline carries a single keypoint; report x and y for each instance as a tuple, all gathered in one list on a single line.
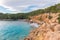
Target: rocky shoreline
[(12, 19), (48, 30)]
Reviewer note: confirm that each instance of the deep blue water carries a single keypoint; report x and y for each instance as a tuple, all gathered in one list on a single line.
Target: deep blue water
[(14, 30)]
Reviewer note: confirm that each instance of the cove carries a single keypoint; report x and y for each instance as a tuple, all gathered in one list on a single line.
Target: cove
[(14, 30)]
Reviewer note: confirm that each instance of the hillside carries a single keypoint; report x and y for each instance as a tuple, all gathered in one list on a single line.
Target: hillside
[(51, 9), (49, 21), (49, 28)]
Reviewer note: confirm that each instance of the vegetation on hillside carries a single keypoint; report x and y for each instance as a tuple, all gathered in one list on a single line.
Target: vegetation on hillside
[(59, 18), (52, 9)]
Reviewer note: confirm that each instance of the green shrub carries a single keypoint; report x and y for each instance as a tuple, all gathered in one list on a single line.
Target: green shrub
[(40, 19), (50, 17), (59, 18)]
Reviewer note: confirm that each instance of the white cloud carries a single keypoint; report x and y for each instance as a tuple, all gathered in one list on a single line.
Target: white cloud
[(5, 6), (21, 5), (9, 8), (1, 2)]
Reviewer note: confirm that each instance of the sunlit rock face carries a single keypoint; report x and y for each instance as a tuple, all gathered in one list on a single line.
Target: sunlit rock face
[(49, 30)]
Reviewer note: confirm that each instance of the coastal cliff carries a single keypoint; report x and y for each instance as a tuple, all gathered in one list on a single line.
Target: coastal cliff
[(49, 28)]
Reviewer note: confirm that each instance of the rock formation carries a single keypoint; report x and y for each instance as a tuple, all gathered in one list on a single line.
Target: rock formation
[(48, 30)]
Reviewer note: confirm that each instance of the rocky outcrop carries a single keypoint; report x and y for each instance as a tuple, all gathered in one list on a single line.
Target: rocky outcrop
[(49, 29)]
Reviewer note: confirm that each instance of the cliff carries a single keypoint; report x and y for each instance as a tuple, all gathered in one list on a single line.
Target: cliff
[(49, 28)]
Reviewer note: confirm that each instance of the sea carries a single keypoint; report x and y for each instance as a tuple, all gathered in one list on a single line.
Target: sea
[(14, 30)]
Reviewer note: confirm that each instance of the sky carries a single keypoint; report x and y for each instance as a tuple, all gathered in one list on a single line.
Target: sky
[(13, 6)]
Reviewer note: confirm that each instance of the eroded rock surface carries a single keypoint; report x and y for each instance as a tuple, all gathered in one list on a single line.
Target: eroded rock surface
[(49, 30)]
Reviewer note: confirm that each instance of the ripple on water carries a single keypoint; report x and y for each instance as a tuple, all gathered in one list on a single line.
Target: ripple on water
[(14, 30)]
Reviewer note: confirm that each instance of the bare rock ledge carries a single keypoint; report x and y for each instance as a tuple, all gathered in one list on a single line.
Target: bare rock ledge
[(49, 30)]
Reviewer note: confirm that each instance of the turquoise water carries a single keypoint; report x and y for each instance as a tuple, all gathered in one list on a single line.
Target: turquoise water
[(14, 30)]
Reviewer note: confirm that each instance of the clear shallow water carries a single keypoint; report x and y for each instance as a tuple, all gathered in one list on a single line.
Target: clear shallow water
[(14, 30)]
